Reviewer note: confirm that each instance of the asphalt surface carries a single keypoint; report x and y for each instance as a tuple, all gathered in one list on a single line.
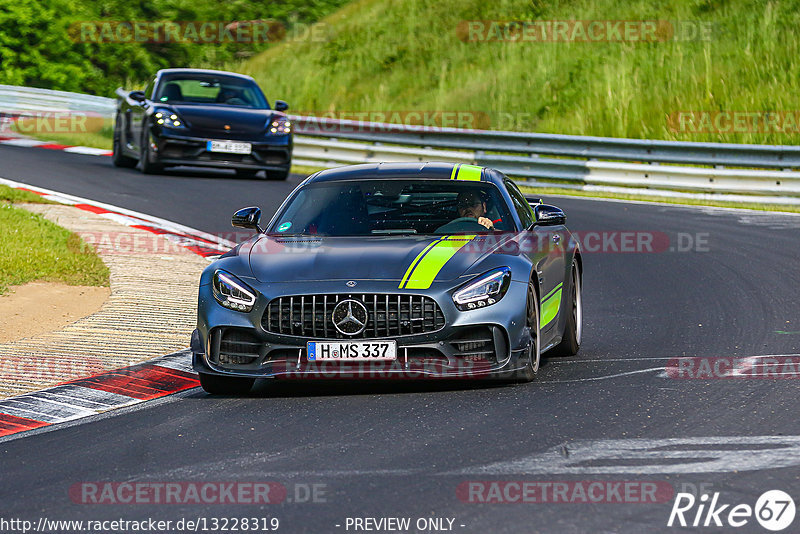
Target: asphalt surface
[(403, 449)]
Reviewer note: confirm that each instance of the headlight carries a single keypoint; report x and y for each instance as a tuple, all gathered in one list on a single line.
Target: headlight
[(167, 118), (279, 126), (232, 292), (487, 290)]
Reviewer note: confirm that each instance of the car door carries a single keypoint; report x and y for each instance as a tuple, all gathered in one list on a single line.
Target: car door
[(545, 248)]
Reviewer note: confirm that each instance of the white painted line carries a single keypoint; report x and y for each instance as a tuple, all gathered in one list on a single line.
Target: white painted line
[(23, 142), (88, 150), (157, 221), (604, 377)]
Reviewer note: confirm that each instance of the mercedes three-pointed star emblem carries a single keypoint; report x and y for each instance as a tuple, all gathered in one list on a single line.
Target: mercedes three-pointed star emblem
[(350, 317)]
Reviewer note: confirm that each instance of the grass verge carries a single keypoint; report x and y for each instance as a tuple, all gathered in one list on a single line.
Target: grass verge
[(37, 249), (660, 200)]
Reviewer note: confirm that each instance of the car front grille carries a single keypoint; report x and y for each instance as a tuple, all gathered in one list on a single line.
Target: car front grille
[(387, 316)]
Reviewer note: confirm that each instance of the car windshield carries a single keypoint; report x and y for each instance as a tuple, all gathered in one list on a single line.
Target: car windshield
[(208, 89), (387, 207)]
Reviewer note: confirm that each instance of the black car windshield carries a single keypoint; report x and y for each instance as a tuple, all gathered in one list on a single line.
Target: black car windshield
[(208, 89), (388, 207)]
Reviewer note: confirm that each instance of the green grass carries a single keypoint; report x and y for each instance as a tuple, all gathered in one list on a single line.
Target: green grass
[(102, 138), (660, 200), (37, 249), (9, 194), (407, 55)]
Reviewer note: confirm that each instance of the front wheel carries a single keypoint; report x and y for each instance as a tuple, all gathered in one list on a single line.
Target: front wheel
[(571, 340), (225, 385), (247, 174), (278, 175), (146, 161), (531, 369)]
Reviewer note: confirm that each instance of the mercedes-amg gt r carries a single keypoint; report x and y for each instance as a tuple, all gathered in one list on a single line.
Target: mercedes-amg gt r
[(399, 270)]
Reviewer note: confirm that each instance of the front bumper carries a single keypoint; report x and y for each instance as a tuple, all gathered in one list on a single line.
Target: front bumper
[(482, 343), (267, 153)]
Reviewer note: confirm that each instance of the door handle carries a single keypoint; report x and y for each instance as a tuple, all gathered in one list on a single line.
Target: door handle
[(556, 239)]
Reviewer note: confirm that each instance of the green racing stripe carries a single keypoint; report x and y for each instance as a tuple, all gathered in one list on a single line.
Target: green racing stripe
[(466, 172), (423, 270), (550, 305)]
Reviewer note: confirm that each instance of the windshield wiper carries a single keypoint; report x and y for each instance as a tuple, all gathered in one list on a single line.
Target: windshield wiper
[(395, 231)]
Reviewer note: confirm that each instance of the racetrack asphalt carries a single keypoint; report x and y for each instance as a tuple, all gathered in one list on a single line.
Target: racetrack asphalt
[(403, 449)]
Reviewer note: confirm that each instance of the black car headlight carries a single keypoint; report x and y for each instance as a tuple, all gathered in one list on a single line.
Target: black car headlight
[(232, 292), (168, 118), (279, 126), (485, 291)]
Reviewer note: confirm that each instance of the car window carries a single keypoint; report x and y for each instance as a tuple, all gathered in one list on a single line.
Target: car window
[(211, 89), (148, 91), (385, 207), (521, 205)]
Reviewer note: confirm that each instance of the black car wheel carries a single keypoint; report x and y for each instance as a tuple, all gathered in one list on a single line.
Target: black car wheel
[(225, 385), (246, 173), (278, 175), (571, 340), (146, 162), (528, 373), (117, 156)]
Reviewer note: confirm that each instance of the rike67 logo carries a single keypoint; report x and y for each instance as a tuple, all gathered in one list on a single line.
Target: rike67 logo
[(774, 510)]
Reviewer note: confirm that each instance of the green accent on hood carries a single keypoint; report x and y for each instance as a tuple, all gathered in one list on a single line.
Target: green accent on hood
[(426, 266)]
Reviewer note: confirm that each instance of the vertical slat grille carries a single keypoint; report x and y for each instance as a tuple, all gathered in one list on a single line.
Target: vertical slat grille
[(388, 315)]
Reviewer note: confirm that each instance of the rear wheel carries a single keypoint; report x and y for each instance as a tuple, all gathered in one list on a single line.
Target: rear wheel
[(571, 340), (117, 156), (528, 373), (225, 385)]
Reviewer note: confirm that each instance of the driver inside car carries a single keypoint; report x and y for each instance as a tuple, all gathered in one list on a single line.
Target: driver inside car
[(470, 205)]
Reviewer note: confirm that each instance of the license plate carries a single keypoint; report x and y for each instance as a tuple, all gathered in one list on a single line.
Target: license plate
[(361, 351), (229, 147)]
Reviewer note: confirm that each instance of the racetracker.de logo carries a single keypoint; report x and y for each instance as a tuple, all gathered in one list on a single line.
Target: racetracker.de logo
[(195, 32), (564, 492), (709, 368), (177, 493), (44, 122), (582, 31)]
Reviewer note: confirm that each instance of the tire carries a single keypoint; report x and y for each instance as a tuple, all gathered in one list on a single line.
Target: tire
[(225, 385), (573, 327), (278, 175), (248, 174), (145, 163), (117, 156), (531, 369)]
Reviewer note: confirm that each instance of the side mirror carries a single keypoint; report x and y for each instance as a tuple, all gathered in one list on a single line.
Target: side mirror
[(137, 96), (247, 218), (280, 105), (547, 215)]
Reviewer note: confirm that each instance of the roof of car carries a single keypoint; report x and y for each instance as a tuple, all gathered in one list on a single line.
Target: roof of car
[(203, 71), (403, 171)]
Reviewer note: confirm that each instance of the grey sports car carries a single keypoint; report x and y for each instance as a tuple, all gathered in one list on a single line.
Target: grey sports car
[(399, 270)]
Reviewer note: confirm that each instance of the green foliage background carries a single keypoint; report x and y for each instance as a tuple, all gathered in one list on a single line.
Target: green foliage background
[(37, 49)]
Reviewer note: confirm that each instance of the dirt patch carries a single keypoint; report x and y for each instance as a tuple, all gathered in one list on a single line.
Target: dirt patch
[(40, 307)]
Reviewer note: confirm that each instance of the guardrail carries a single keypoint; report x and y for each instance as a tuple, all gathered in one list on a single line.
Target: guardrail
[(764, 173)]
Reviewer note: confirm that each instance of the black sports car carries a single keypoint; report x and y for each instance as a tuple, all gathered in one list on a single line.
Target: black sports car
[(392, 270), (202, 118)]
